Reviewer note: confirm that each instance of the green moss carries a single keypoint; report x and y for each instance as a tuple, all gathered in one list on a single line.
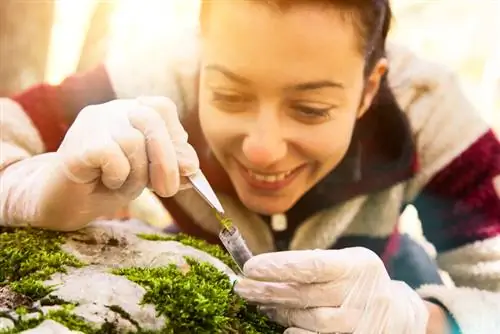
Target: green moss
[(218, 309), (198, 300), (62, 316), (187, 240), (28, 257), (225, 221)]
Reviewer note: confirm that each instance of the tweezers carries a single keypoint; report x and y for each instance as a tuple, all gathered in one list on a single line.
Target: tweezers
[(202, 187), (229, 236)]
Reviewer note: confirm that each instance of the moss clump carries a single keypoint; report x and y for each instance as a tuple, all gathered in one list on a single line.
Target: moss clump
[(226, 223), (62, 316), (30, 256), (199, 300), (187, 240)]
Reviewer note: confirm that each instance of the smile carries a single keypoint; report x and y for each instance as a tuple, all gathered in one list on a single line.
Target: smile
[(269, 177), (269, 181)]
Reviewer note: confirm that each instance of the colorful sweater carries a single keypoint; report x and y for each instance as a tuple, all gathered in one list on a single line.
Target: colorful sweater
[(449, 175)]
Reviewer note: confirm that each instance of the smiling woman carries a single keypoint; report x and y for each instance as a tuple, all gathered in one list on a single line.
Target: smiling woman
[(299, 116), (292, 109)]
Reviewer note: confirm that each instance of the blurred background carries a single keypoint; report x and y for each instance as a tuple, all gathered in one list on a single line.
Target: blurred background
[(45, 40), (49, 39)]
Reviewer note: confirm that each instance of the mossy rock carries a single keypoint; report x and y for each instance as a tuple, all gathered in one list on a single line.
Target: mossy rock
[(119, 277)]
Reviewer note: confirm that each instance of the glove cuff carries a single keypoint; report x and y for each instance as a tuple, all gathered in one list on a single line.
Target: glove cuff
[(474, 311)]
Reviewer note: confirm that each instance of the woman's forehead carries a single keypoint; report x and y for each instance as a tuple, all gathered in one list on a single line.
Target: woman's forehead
[(306, 42)]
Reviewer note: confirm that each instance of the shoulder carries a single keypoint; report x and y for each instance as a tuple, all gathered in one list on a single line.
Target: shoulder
[(428, 91), (160, 62), (444, 122)]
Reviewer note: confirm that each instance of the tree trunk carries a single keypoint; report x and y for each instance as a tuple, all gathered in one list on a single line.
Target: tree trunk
[(25, 30), (96, 41)]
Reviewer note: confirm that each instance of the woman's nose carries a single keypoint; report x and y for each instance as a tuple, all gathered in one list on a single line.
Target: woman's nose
[(264, 145)]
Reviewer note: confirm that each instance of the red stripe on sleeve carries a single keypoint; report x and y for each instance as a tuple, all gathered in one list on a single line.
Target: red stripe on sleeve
[(52, 108)]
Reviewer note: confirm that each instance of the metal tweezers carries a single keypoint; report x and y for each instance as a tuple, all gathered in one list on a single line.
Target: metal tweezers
[(203, 188), (229, 236)]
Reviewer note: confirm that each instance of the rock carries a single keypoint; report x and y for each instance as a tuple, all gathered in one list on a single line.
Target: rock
[(115, 244), (96, 292), (6, 323), (48, 327), (119, 277)]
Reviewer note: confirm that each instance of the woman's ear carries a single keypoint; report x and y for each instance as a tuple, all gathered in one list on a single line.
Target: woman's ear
[(372, 85)]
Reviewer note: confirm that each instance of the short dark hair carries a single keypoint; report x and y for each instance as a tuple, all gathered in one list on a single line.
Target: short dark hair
[(371, 19)]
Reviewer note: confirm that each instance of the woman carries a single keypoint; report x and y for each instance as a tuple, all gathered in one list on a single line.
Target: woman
[(290, 115)]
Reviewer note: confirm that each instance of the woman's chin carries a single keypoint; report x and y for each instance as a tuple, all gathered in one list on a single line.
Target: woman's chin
[(266, 206)]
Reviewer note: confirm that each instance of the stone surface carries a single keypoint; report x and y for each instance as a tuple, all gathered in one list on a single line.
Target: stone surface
[(48, 327), (6, 323), (96, 291), (116, 244)]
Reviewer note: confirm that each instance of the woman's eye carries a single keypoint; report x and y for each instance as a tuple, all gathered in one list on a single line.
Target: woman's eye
[(311, 112), (228, 98)]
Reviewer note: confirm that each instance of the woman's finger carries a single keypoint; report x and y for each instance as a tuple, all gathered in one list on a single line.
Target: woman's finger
[(133, 144), (314, 266), (295, 330), (317, 320), (293, 295), (186, 155), (97, 157)]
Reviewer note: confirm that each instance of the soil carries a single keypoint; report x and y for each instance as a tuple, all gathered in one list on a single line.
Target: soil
[(11, 300)]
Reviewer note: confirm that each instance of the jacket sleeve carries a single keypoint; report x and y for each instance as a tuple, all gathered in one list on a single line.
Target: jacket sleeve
[(35, 120), (165, 64), (52, 108), (454, 189)]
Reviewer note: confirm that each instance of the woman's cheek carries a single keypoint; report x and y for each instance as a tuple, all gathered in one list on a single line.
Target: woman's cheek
[(327, 143)]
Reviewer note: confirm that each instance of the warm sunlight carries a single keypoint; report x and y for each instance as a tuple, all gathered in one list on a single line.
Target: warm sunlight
[(68, 33), (462, 34), (132, 19)]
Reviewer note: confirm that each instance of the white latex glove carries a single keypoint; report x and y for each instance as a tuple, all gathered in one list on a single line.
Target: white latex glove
[(332, 291), (107, 158)]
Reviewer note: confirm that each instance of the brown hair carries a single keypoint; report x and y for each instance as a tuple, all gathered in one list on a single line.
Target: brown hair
[(371, 19), (384, 119)]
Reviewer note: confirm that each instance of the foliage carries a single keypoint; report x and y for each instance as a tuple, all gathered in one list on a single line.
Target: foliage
[(30, 256), (198, 299)]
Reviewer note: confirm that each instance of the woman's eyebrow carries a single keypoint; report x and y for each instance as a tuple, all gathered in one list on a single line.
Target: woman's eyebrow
[(316, 85), (300, 87), (227, 73)]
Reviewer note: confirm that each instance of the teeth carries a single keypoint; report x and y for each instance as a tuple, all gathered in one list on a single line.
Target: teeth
[(269, 177)]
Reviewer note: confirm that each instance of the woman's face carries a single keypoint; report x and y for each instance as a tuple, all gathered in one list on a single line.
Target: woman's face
[(280, 93)]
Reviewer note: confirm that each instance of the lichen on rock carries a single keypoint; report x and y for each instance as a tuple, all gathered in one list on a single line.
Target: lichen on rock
[(119, 277)]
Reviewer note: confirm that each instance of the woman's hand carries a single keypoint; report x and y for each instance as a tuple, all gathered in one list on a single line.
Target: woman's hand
[(332, 291), (108, 156)]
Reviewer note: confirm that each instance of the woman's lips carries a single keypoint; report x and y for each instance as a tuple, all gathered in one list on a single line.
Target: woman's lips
[(273, 182)]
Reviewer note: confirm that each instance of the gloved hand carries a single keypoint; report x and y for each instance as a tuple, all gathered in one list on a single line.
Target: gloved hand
[(108, 156), (332, 291)]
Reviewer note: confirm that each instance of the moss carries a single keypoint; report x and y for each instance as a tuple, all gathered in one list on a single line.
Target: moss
[(28, 257), (225, 221), (213, 307), (218, 309), (200, 300), (62, 316)]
